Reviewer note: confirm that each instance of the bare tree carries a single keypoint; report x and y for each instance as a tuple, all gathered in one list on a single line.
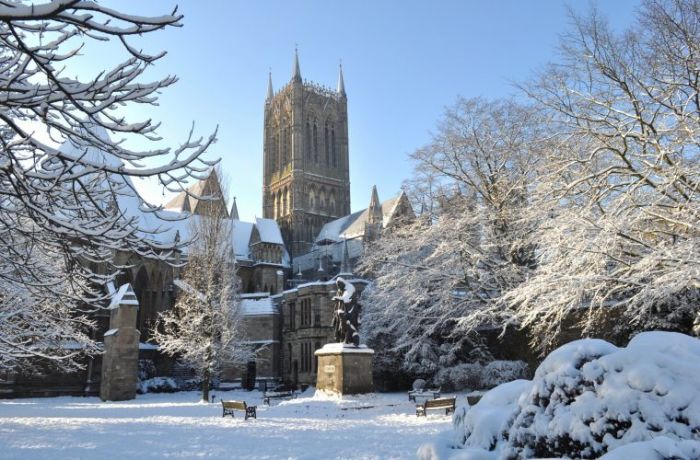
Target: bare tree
[(204, 329), (435, 276), (60, 212), (620, 222)]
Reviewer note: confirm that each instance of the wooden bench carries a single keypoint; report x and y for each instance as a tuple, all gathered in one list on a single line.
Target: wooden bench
[(277, 395), (443, 403), (435, 393), (230, 406)]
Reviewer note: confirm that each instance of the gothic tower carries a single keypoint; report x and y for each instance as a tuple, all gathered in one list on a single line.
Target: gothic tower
[(306, 175)]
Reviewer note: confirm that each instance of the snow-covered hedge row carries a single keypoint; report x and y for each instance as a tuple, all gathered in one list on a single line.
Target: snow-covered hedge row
[(477, 376), (590, 398), (157, 385)]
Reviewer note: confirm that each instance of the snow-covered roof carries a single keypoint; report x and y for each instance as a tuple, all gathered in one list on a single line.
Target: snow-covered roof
[(269, 231), (256, 307), (334, 251), (241, 238), (353, 225)]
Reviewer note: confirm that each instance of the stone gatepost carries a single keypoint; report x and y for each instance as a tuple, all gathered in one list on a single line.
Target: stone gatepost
[(120, 360), (344, 369)]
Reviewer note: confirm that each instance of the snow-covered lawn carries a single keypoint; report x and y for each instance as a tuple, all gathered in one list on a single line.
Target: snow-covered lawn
[(382, 425)]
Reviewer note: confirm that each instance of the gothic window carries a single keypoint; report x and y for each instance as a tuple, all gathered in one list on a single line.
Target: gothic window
[(307, 140), (331, 203), (275, 152), (312, 199), (326, 145), (285, 148), (306, 353), (315, 142), (333, 147), (322, 201), (292, 317), (289, 354), (317, 316)]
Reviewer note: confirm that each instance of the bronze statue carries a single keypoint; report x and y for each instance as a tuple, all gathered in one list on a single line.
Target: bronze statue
[(347, 313)]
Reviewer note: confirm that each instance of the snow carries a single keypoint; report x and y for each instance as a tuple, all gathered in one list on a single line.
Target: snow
[(269, 231), (348, 291), (590, 398), (178, 425), (333, 348), (253, 307), (241, 238)]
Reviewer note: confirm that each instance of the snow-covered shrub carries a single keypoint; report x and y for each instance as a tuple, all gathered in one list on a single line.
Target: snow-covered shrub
[(589, 398), (484, 424), (157, 385), (499, 371), (418, 384), (479, 376), (147, 369), (466, 375)]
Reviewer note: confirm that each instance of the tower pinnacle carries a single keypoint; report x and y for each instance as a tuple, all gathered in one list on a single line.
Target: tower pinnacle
[(341, 83), (234, 210), (296, 73), (270, 93)]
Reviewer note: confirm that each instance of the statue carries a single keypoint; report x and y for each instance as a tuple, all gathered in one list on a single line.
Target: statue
[(347, 313)]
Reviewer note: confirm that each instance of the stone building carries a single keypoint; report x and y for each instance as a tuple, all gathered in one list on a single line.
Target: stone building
[(287, 260), (306, 174)]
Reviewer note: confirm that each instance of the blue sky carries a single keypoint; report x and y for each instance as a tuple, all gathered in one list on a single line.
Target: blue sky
[(404, 62)]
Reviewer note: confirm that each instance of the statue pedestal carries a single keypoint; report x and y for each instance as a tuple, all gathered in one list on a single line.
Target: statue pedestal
[(344, 369)]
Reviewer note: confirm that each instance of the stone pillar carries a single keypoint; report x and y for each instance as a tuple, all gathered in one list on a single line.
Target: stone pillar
[(120, 360), (344, 369)]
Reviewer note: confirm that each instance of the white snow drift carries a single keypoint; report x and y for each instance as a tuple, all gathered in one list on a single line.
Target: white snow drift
[(590, 398)]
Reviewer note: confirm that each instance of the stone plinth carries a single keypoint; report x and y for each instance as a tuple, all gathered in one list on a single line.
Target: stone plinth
[(120, 360), (344, 369)]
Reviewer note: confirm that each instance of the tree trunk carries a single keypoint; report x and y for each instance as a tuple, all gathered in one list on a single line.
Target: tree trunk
[(206, 381)]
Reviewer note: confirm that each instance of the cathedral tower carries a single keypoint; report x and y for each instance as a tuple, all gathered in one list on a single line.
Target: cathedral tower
[(306, 175)]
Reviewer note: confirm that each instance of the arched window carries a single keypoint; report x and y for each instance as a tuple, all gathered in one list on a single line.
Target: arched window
[(307, 140), (315, 142), (333, 147), (312, 199), (285, 148), (331, 203), (326, 142), (322, 200)]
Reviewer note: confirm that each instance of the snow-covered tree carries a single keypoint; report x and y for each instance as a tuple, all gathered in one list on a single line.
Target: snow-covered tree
[(465, 250), (204, 329), (59, 207), (619, 207)]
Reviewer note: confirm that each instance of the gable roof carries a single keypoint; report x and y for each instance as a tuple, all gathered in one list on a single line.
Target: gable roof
[(353, 225), (189, 199), (269, 231)]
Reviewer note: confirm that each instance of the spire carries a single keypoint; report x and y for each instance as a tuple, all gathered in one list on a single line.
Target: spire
[(375, 207), (341, 83), (296, 74), (234, 210), (269, 86)]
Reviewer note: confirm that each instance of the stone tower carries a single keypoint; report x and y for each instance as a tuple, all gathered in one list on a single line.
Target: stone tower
[(306, 178)]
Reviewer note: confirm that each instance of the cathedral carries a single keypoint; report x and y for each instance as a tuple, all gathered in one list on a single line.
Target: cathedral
[(287, 260)]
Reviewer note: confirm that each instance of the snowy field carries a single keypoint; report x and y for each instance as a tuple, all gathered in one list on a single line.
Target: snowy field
[(177, 426)]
